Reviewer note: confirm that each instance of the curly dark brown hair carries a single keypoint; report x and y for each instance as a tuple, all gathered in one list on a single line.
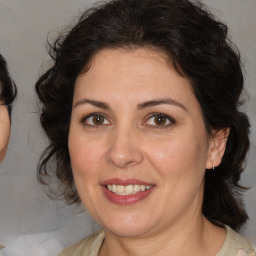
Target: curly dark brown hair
[(8, 89), (198, 49)]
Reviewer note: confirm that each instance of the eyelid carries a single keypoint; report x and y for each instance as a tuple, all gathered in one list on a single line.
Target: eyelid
[(153, 115), (84, 118)]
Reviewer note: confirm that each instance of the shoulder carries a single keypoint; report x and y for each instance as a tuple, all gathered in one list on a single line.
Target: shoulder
[(236, 245), (89, 246)]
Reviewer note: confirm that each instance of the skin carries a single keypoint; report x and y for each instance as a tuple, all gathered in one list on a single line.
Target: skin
[(130, 144), (5, 130)]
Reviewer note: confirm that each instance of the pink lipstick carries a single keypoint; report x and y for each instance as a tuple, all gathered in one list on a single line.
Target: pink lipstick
[(126, 192)]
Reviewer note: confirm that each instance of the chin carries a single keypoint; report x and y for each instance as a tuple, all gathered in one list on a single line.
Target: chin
[(127, 232), (128, 226)]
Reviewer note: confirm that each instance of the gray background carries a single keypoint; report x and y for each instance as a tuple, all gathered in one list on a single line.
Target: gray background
[(31, 223)]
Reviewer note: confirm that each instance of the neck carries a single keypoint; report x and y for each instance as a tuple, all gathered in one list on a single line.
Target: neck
[(199, 237), (190, 233)]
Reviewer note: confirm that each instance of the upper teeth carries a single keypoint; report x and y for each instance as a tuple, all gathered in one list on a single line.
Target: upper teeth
[(127, 190)]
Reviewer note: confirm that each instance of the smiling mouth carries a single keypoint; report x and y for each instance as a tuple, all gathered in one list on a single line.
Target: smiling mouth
[(127, 190)]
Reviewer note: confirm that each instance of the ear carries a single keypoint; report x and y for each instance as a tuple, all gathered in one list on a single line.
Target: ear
[(4, 130), (217, 146)]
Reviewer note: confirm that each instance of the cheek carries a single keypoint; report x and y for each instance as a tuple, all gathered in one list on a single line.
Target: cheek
[(179, 157), (86, 156), (5, 130), (84, 168)]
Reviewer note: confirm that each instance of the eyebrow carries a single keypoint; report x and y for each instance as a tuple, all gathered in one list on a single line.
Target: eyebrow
[(146, 104), (95, 103), (157, 102)]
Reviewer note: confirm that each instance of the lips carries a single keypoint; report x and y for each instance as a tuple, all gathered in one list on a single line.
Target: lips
[(126, 192)]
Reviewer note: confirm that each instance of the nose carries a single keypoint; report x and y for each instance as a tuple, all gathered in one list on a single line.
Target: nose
[(124, 149)]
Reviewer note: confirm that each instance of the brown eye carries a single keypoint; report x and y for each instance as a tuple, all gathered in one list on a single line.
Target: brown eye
[(98, 120), (95, 120), (160, 120)]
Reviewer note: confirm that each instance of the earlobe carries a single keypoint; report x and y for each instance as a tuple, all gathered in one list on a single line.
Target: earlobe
[(4, 130), (217, 147)]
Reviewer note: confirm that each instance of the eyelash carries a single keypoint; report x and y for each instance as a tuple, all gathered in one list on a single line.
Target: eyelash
[(153, 115), (161, 115), (84, 119)]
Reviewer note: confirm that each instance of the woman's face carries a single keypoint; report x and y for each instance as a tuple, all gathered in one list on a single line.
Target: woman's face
[(4, 130), (137, 143)]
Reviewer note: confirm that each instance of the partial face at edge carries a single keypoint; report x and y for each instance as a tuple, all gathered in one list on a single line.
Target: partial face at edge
[(136, 122), (4, 130)]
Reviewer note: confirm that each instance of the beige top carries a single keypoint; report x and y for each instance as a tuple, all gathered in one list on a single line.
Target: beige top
[(234, 245)]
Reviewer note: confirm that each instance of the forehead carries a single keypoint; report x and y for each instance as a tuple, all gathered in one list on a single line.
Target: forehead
[(138, 74), (124, 63), (134, 59)]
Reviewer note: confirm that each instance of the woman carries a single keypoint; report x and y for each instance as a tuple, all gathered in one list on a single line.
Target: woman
[(7, 95), (141, 110)]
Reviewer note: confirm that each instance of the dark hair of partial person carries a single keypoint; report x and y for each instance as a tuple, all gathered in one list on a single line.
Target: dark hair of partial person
[(197, 47), (8, 88)]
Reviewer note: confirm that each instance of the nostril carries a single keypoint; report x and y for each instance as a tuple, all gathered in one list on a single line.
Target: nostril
[(124, 149), (124, 158)]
